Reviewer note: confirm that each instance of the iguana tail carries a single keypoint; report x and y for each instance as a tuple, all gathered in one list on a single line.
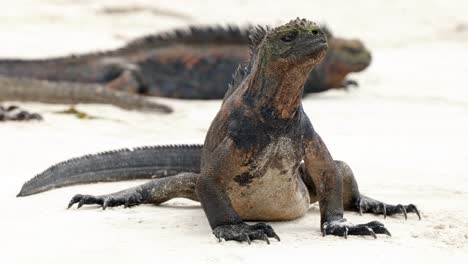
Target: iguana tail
[(125, 164), (22, 89)]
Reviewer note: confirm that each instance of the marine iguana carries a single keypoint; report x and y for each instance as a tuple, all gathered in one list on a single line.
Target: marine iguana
[(23, 89), (262, 159), (188, 64)]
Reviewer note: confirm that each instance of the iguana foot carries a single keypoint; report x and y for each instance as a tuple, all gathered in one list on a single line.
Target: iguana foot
[(369, 205), (349, 82), (244, 232), (155, 192), (111, 200), (346, 84), (344, 228)]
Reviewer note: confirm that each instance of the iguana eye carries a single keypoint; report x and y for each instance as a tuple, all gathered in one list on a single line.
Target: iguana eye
[(289, 36)]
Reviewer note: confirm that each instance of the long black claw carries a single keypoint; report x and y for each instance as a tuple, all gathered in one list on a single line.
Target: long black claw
[(217, 236), (385, 230), (247, 238), (378, 228), (344, 228), (245, 233), (74, 200), (403, 209), (369, 205), (413, 208), (417, 212), (80, 204), (276, 236), (372, 233), (324, 229)]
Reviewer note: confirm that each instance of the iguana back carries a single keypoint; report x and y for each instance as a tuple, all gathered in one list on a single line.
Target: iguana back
[(190, 64)]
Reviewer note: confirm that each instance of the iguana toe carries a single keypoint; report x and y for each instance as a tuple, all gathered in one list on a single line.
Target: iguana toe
[(411, 208), (85, 199), (378, 228), (267, 229), (111, 200), (245, 233), (347, 83), (344, 228), (369, 205)]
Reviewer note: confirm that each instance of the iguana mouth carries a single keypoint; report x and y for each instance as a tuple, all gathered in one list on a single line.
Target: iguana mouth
[(314, 47), (309, 48), (360, 66)]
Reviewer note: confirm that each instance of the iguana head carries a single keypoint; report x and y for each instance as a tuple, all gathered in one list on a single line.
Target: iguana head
[(297, 43), (281, 60), (343, 57), (346, 55)]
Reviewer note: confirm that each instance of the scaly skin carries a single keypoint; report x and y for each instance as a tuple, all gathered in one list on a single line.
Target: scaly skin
[(118, 165), (262, 159), (22, 89), (344, 56), (194, 64)]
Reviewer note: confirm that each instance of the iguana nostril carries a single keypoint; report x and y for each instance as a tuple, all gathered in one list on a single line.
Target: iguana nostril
[(315, 32)]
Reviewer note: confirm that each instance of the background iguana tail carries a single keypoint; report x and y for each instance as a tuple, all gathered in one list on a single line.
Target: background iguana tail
[(125, 164), (22, 89)]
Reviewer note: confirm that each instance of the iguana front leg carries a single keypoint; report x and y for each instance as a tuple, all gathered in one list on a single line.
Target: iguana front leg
[(154, 192), (354, 201), (328, 179), (225, 222), (122, 75), (127, 81)]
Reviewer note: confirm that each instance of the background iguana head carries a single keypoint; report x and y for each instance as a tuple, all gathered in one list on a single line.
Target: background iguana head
[(297, 43), (344, 56), (347, 55)]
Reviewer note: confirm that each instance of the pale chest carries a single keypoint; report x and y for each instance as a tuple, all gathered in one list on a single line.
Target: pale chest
[(271, 188)]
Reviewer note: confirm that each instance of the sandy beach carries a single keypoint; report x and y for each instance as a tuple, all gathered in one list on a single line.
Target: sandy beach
[(403, 131)]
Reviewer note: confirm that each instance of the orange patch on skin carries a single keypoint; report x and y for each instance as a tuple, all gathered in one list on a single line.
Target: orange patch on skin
[(191, 61)]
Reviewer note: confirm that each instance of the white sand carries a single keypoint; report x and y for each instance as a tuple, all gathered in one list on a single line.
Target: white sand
[(403, 132)]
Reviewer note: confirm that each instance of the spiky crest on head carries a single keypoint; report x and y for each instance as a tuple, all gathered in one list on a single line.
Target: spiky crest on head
[(258, 34), (297, 23)]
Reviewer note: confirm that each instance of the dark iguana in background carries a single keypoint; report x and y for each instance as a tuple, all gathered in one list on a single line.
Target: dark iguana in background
[(190, 64), (262, 159)]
